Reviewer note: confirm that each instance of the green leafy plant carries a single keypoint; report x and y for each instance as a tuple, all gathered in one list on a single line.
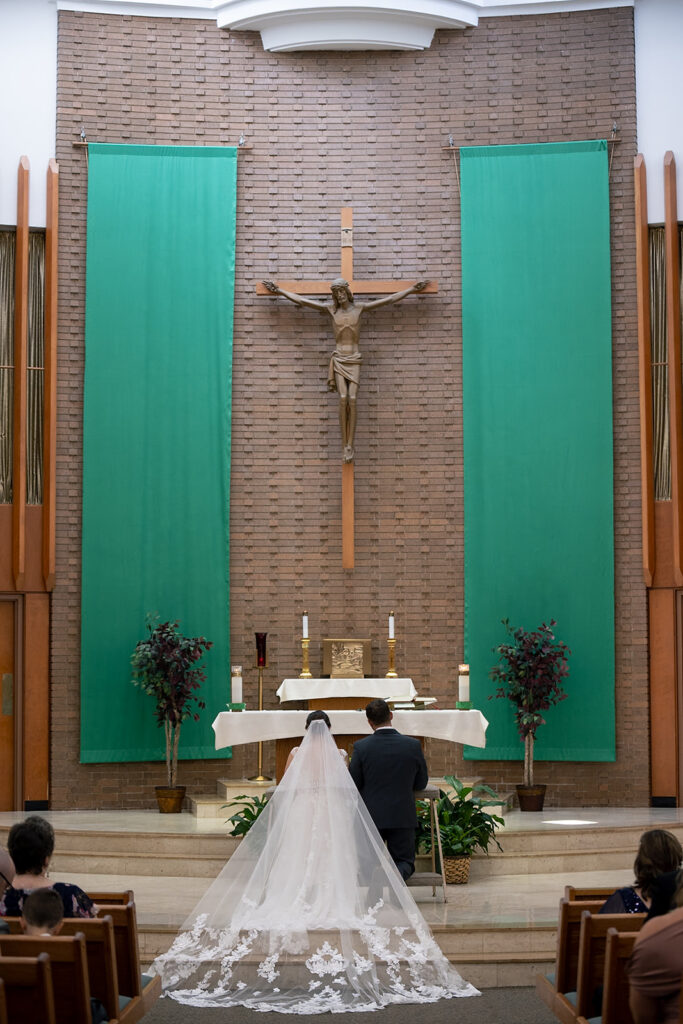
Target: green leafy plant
[(165, 666), (250, 808), (464, 823), (530, 671)]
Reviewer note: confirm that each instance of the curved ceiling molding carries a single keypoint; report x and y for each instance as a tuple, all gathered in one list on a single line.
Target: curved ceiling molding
[(347, 24)]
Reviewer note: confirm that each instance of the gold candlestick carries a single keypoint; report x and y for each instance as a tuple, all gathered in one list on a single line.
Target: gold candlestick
[(260, 777), (392, 673), (305, 671)]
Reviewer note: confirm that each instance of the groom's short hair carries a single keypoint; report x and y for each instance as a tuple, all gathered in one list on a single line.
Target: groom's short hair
[(378, 712)]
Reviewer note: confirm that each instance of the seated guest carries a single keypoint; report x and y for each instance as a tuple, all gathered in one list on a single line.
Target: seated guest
[(31, 844), (6, 870), (658, 853), (656, 966), (6, 876), (42, 913), (663, 891)]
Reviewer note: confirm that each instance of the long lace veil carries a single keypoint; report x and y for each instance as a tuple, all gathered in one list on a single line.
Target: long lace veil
[(309, 914)]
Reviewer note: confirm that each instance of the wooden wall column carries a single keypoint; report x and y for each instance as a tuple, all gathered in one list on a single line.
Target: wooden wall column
[(20, 346), (35, 718), (50, 377), (663, 566), (673, 330), (645, 371)]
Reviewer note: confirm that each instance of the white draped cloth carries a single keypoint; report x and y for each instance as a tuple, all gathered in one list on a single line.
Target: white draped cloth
[(310, 913)]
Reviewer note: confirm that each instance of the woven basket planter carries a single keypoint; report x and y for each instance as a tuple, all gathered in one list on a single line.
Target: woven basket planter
[(456, 870)]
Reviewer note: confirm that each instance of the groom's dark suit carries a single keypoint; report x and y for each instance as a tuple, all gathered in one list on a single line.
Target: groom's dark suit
[(387, 768)]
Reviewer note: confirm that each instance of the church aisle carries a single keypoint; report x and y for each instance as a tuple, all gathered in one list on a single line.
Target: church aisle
[(493, 1006)]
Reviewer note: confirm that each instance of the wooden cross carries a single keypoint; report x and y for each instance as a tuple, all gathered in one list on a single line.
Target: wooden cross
[(357, 288)]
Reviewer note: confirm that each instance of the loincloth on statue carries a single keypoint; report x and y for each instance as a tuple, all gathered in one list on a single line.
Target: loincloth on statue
[(345, 364)]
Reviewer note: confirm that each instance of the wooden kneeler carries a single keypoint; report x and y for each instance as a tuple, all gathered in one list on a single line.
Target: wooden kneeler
[(433, 877)]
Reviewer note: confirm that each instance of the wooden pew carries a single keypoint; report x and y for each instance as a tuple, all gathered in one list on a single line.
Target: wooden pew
[(100, 952), (564, 977), (569, 1006), (131, 982), (4, 1019), (27, 983), (615, 1008), (615, 1000), (575, 893), (69, 969), (113, 898)]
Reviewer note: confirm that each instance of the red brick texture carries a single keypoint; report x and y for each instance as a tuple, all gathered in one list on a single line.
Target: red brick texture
[(364, 129)]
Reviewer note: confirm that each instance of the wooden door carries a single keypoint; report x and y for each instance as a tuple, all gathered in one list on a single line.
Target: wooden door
[(7, 704)]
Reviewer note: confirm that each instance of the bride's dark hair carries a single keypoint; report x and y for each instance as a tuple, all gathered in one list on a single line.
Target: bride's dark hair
[(317, 716)]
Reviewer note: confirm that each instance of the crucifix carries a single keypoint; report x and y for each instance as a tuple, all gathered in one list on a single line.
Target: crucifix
[(344, 369)]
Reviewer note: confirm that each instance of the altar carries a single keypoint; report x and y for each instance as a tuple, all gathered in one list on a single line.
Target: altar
[(232, 728), (350, 693)]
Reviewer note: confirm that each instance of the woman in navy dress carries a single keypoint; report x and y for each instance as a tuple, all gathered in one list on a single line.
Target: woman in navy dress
[(658, 853), (31, 844)]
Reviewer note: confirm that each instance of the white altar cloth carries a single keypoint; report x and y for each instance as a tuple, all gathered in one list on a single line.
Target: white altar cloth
[(235, 727), (322, 689)]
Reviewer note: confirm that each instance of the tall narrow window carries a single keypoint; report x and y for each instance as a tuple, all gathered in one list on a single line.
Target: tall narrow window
[(34, 371), (7, 248), (660, 368)]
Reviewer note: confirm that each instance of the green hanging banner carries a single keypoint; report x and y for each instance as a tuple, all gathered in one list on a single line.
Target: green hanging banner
[(537, 411), (156, 432)]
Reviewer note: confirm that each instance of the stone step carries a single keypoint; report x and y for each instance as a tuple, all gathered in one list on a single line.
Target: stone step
[(154, 862), (208, 805), (217, 844), (229, 789), (549, 862), (486, 957), (524, 852), (516, 837)]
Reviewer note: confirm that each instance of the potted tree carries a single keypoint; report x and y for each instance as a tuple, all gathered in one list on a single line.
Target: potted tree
[(464, 824), (529, 674), (165, 666)]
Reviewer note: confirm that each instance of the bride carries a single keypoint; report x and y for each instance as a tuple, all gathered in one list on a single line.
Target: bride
[(310, 913)]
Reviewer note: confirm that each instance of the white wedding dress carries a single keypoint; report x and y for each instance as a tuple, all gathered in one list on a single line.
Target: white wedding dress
[(310, 913)]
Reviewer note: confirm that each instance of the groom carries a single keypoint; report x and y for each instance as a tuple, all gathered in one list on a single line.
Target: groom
[(387, 769)]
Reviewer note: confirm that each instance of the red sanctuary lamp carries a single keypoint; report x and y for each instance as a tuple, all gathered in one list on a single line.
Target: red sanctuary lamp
[(261, 653)]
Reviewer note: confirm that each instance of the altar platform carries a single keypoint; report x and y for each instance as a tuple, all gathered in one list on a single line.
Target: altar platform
[(499, 929)]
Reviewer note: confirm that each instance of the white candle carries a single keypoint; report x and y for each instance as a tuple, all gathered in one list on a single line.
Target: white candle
[(464, 684), (391, 625), (236, 684), (304, 627)]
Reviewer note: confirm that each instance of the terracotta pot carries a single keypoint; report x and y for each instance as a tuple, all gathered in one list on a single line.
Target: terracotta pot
[(456, 870), (170, 800), (531, 798)]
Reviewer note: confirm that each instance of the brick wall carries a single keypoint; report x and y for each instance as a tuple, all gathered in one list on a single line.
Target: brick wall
[(365, 129)]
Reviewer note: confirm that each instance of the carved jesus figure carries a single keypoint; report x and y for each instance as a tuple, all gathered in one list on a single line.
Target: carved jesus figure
[(344, 371)]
